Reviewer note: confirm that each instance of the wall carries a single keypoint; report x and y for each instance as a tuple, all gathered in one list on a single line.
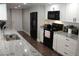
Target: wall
[(16, 15), (3, 12), (9, 21), (14, 18), (26, 19)]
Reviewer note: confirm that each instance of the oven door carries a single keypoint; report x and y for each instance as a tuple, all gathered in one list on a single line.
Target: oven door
[(47, 34), (48, 38)]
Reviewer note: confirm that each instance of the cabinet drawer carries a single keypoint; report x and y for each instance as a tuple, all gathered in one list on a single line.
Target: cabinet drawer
[(57, 36), (67, 52), (70, 42), (70, 47)]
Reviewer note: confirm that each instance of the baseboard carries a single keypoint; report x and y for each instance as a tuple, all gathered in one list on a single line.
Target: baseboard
[(27, 32)]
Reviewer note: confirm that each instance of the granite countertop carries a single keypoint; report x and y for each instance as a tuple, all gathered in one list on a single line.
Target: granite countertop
[(72, 36), (16, 47)]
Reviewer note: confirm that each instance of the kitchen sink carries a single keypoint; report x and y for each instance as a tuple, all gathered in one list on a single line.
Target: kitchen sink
[(11, 37)]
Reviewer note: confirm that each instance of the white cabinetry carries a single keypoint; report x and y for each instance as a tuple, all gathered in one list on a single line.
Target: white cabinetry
[(64, 45), (72, 12), (41, 35), (55, 42), (77, 16), (3, 12), (58, 42), (70, 46)]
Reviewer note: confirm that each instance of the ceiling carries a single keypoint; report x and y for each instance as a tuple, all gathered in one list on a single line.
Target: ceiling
[(22, 5)]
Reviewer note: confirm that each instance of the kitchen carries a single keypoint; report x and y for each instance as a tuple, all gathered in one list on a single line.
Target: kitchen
[(18, 17)]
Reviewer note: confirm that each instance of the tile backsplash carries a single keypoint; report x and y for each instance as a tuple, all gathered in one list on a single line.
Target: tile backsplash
[(71, 23)]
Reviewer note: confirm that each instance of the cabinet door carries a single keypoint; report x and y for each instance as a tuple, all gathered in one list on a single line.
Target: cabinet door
[(41, 34), (77, 16), (71, 10), (3, 12), (60, 43), (55, 41)]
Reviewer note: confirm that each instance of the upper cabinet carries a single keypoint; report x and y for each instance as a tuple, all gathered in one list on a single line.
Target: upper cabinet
[(77, 15), (3, 12), (69, 12), (72, 12)]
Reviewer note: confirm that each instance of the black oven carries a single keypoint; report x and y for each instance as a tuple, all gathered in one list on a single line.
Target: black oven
[(48, 34)]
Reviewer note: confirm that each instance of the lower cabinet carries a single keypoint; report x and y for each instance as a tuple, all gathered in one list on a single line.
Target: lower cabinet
[(41, 35), (64, 45)]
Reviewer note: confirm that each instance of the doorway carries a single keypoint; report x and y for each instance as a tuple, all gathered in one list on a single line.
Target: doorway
[(33, 25)]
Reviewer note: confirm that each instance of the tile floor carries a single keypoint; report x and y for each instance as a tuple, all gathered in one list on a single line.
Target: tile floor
[(39, 46)]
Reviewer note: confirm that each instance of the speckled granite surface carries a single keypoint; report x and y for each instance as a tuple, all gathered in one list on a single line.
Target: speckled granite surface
[(75, 37), (16, 47)]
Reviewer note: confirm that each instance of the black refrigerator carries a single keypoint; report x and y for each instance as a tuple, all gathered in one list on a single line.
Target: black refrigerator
[(33, 25)]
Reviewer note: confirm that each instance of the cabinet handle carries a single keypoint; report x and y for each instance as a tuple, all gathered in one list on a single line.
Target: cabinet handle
[(65, 52), (67, 39)]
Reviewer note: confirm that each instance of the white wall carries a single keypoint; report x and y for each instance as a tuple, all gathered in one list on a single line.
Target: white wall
[(26, 19), (9, 20), (14, 18), (3, 12), (16, 15)]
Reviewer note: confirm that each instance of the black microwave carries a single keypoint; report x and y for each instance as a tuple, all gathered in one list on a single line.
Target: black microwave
[(54, 15)]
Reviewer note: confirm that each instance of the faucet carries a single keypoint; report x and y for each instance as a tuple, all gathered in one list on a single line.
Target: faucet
[(3, 26)]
